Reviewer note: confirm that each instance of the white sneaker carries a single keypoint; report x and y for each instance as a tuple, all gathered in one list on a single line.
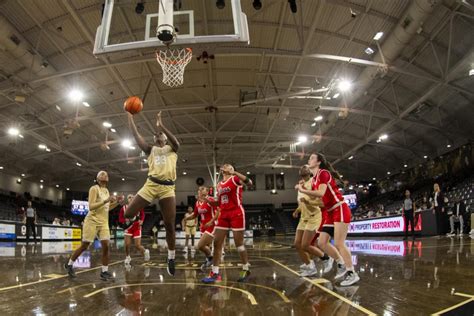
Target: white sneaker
[(328, 265), (341, 272), (471, 232), (451, 235), (127, 260), (147, 255), (310, 271), (185, 249), (304, 267), (350, 279)]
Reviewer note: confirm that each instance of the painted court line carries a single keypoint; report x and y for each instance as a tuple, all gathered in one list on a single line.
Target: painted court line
[(61, 276), (250, 296), (342, 298), (453, 307)]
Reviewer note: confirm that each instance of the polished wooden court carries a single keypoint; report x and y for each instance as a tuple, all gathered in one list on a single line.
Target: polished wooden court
[(423, 277)]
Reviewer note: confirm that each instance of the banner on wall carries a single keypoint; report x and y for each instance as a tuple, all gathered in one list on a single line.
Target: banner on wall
[(20, 230), (7, 231), (394, 224), (55, 233)]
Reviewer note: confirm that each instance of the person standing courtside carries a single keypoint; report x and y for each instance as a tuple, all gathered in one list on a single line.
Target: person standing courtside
[(408, 214), (438, 209), (31, 219), (457, 216)]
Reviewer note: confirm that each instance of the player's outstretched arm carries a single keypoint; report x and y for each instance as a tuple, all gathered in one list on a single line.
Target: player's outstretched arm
[(172, 139), (138, 137), (246, 180)]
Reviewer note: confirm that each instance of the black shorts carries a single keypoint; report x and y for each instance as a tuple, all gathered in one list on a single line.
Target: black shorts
[(328, 230)]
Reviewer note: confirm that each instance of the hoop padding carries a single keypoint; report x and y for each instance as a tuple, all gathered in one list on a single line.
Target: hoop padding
[(173, 62)]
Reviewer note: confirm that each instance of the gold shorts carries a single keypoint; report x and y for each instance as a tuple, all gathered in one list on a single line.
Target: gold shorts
[(91, 229), (152, 190), (312, 223), (190, 230)]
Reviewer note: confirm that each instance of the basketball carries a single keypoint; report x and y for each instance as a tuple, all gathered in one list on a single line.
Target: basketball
[(133, 105)]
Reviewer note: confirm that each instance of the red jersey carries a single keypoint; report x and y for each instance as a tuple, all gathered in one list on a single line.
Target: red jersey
[(122, 213), (229, 194), (333, 197), (204, 210)]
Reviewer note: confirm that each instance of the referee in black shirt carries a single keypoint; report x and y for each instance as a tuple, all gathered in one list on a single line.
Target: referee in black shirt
[(408, 214)]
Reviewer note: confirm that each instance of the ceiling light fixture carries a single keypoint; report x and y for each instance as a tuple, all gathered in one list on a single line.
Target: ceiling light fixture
[(344, 85), (220, 4), (351, 157), (313, 125), (448, 146), (369, 51), (425, 156), (57, 185), (21, 136), (335, 96), (140, 7), (42, 146), (87, 105), (318, 118), (41, 180), (123, 179), (257, 4), (76, 95), (41, 186), (47, 149), (302, 139), (184, 173), (248, 172), (78, 164), (107, 124), (13, 131), (23, 175), (113, 130), (378, 36), (282, 173), (126, 143)]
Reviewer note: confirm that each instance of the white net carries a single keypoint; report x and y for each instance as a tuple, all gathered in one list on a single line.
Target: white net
[(173, 62)]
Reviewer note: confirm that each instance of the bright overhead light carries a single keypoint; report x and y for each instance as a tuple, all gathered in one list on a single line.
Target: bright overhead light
[(369, 51), (282, 173), (388, 172), (47, 149), (123, 179), (23, 175), (184, 173), (374, 179), (302, 139), (341, 176), (41, 186), (115, 193), (67, 189), (18, 181), (13, 131), (360, 186), (144, 160), (132, 148), (78, 164), (21, 136), (471, 72), (248, 172), (351, 157), (113, 130), (370, 184), (313, 124), (344, 85), (1, 167), (448, 145), (318, 118), (87, 105), (42, 146), (351, 187), (41, 180), (383, 137), (107, 124), (57, 185), (76, 95), (378, 36), (425, 156), (335, 96), (126, 143), (274, 191), (405, 165)]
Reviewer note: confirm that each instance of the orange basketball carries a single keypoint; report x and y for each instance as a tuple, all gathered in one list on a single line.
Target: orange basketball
[(133, 105)]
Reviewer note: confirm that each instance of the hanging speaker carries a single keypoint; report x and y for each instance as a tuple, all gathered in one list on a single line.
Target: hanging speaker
[(199, 181)]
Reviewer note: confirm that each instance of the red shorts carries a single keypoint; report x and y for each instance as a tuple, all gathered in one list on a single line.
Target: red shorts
[(340, 214), (135, 230), (323, 217), (207, 230), (231, 219)]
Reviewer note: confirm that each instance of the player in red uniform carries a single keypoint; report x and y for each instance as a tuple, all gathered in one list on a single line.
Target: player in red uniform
[(338, 215), (133, 231), (232, 217), (208, 215)]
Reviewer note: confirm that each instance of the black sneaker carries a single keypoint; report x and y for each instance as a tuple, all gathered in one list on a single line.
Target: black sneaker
[(170, 268), (106, 275), (70, 270)]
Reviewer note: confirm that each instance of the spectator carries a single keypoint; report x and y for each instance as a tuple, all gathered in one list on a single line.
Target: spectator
[(438, 209), (56, 222), (457, 217), (31, 219)]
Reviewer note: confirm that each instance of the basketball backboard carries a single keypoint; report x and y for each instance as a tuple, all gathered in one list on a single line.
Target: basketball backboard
[(132, 24)]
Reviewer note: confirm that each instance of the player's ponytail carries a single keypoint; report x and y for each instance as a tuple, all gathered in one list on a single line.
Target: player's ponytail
[(325, 164)]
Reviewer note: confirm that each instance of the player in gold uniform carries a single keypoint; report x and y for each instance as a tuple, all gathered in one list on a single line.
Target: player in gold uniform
[(162, 160), (96, 223), (189, 226)]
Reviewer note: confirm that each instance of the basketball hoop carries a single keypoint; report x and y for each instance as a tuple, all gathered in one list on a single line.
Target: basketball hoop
[(173, 62)]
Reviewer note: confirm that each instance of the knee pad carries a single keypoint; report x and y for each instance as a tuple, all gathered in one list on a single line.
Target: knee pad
[(241, 248)]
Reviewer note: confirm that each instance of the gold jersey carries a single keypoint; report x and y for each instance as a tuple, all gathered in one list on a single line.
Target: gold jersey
[(308, 209), (191, 222), (101, 214), (162, 163)]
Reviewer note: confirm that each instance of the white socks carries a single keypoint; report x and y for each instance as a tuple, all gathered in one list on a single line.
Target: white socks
[(70, 262), (105, 268), (246, 266), (215, 269), (171, 254)]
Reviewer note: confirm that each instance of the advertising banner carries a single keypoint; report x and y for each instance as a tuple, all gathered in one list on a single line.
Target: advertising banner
[(377, 247), (395, 224), (7, 231), (20, 230)]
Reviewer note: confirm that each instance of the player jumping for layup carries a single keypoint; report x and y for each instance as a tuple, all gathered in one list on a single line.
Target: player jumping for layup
[(162, 159), (232, 216)]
